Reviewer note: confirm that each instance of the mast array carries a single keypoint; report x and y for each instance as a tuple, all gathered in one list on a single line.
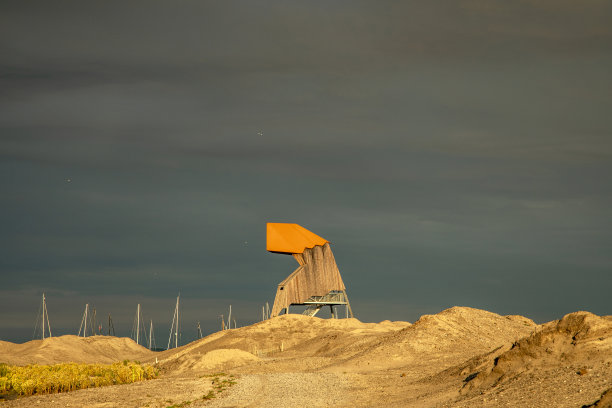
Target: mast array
[(88, 323)]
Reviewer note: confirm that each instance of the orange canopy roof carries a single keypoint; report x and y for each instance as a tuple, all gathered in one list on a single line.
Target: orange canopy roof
[(290, 238)]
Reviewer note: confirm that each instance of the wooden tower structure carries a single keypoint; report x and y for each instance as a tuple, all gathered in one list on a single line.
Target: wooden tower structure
[(317, 281)]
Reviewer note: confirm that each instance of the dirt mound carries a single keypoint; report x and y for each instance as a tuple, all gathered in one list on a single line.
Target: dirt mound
[(70, 348), (575, 351), (579, 336), (447, 338), (213, 361)]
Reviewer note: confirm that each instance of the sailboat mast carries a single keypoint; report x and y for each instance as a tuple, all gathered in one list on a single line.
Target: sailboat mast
[(93, 322), (110, 325), (43, 316), (174, 328), (229, 318), (150, 333), (177, 322), (171, 328), (47, 314), (86, 309), (137, 323)]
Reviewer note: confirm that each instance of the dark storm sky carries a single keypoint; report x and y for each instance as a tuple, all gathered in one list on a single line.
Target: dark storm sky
[(454, 153)]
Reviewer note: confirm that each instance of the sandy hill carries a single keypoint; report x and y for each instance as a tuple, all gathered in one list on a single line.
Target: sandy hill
[(70, 348), (291, 335)]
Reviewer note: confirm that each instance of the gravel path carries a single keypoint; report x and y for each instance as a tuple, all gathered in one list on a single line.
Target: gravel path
[(287, 390)]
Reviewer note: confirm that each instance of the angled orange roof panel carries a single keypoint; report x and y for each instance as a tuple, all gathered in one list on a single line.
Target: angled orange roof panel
[(290, 238)]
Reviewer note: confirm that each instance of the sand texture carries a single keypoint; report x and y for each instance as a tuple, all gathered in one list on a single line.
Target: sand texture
[(70, 348), (460, 357)]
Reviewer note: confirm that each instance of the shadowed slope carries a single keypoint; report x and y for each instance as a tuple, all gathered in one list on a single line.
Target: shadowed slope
[(564, 363), (579, 337)]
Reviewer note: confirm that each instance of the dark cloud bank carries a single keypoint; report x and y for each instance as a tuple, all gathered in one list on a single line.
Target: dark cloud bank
[(455, 153)]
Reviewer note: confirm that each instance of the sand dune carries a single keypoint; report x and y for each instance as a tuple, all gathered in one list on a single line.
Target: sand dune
[(70, 348), (460, 357)]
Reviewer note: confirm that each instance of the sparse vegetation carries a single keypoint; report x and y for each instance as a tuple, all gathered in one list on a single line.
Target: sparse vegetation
[(220, 384), (180, 405), (41, 379), (210, 395)]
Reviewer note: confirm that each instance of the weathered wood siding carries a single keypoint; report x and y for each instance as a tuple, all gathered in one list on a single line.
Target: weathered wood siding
[(317, 275)]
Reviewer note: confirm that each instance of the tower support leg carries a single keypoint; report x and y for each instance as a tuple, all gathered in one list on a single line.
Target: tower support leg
[(348, 304)]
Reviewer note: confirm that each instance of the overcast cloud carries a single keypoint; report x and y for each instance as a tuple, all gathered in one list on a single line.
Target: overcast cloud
[(454, 153)]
